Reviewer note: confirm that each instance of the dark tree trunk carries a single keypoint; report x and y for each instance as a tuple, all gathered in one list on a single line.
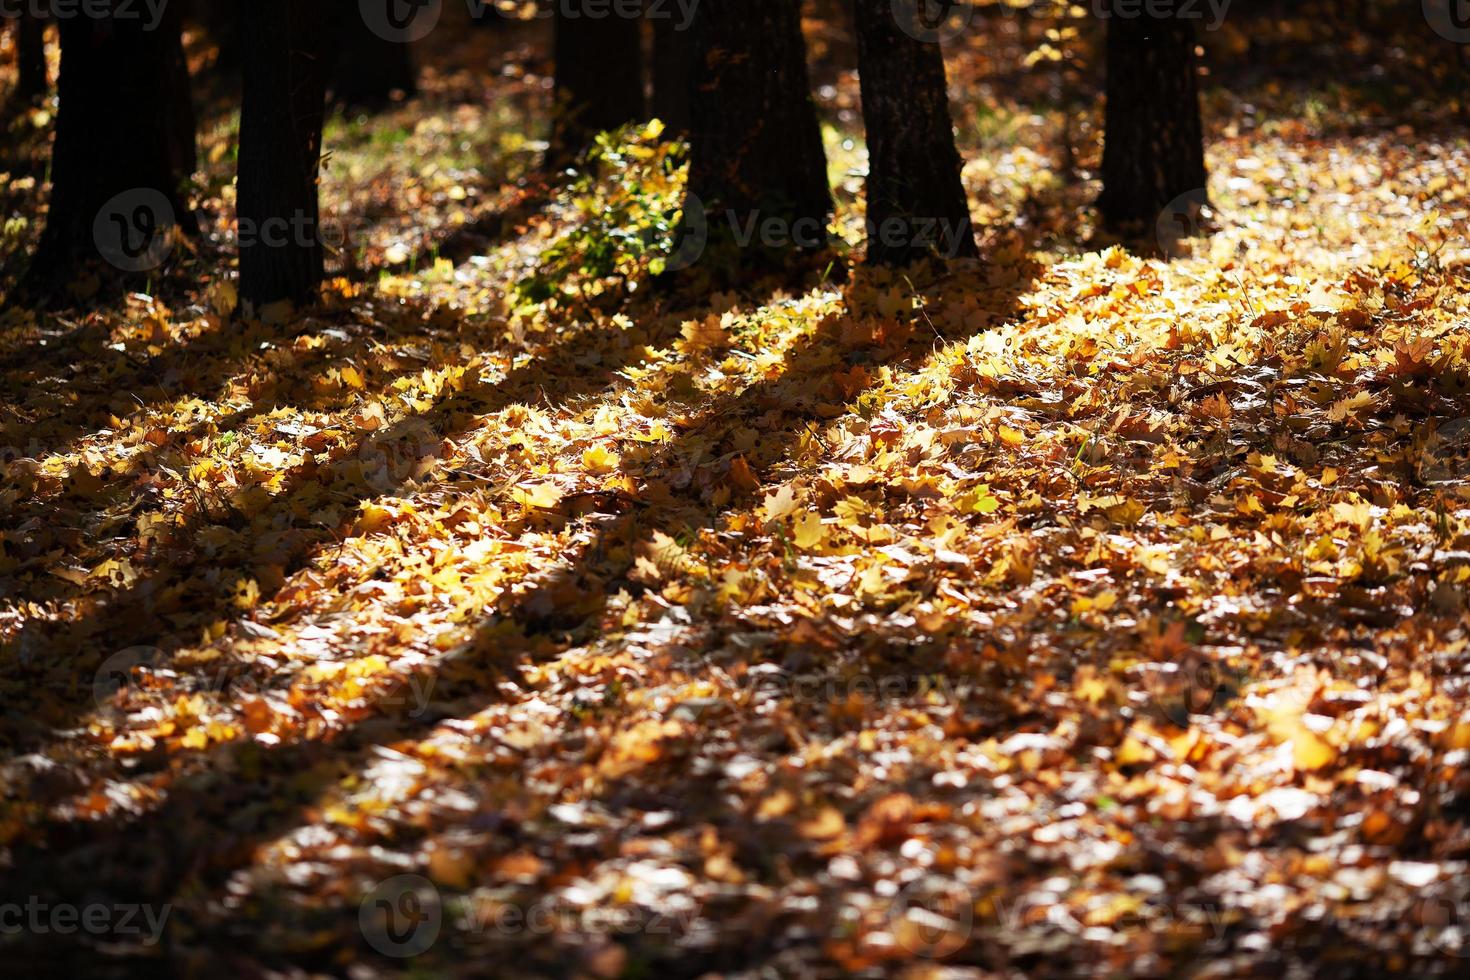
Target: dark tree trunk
[(599, 75), (30, 47), (1153, 151), (370, 67), (124, 146), (673, 63), (756, 156), (287, 59), (916, 203)]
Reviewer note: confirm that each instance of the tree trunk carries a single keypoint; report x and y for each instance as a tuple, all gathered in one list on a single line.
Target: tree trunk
[(371, 68), (124, 145), (599, 76), (286, 64), (916, 203), (673, 63), (757, 169), (1153, 151), (30, 48)]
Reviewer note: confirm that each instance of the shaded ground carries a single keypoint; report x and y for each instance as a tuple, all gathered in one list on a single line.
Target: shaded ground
[(1082, 610)]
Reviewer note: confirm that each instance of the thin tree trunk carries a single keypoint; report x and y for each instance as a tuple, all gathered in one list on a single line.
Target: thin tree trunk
[(916, 203), (287, 60), (1153, 151), (599, 75), (30, 47), (757, 164), (124, 146), (673, 64)]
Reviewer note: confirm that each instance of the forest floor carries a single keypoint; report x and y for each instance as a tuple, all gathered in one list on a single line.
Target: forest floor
[(1082, 610)]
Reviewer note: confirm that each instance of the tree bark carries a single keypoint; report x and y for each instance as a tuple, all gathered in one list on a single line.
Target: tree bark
[(916, 202), (673, 65), (371, 68), (1153, 151), (287, 58), (124, 145), (30, 47), (756, 155), (599, 74)]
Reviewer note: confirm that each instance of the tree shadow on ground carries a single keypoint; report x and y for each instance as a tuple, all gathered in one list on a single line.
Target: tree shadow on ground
[(243, 794)]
